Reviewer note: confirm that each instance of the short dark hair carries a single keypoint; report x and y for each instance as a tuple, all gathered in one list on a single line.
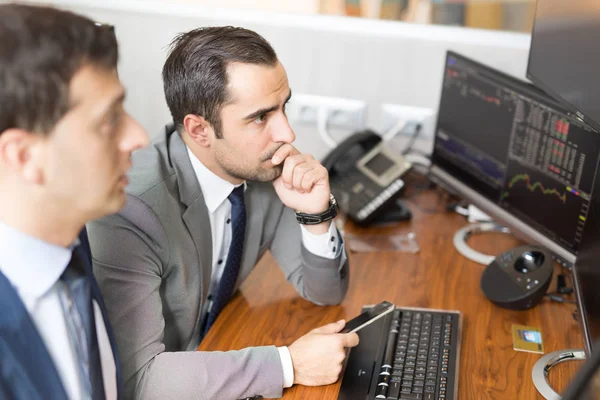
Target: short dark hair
[(41, 49), (195, 73)]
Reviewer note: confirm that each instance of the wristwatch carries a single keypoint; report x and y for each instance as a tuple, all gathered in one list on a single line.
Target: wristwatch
[(314, 219)]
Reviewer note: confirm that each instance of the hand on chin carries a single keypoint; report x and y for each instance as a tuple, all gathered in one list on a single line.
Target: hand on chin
[(311, 202)]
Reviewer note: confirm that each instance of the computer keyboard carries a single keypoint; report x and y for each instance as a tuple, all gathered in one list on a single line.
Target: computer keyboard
[(410, 354)]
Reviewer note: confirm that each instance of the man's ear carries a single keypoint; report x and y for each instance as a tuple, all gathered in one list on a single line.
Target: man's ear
[(21, 153), (199, 130)]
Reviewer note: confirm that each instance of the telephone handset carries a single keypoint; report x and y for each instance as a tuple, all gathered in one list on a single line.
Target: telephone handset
[(367, 172)]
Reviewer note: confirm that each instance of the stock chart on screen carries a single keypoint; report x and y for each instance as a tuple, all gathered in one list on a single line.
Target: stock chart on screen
[(518, 148)]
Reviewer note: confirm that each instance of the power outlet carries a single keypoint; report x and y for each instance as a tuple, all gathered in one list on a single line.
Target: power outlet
[(392, 114), (338, 112)]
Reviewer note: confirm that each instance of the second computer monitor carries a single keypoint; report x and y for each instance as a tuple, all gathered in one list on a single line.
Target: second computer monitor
[(517, 154)]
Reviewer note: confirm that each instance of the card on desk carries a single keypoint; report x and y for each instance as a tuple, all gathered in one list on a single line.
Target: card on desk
[(527, 338)]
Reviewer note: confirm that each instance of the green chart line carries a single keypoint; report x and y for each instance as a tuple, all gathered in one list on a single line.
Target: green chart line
[(532, 186)]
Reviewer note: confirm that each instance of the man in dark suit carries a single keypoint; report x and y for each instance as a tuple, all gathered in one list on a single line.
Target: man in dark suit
[(223, 186), (65, 145)]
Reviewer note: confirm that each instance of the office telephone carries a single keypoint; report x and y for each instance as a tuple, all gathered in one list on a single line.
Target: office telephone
[(365, 174)]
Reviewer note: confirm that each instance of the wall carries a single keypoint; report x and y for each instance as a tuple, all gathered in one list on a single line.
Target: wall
[(376, 61)]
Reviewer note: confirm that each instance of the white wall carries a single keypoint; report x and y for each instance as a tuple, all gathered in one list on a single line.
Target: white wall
[(376, 61)]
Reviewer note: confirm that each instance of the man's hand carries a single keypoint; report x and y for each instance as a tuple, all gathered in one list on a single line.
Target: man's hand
[(318, 356), (304, 183)]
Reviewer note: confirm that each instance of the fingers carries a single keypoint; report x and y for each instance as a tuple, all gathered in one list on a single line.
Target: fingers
[(294, 168), (350, 339), (312, 177), (283, 153), (334, 327), (302, 172), (318, 357)]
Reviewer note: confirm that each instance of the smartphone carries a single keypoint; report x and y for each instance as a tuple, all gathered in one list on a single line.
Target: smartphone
[(367, 317)]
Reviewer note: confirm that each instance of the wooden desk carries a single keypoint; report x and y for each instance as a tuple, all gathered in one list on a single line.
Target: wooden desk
[(268, 310)]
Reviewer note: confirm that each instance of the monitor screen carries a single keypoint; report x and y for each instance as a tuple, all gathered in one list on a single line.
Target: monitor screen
[(517, 154), (565, 54)]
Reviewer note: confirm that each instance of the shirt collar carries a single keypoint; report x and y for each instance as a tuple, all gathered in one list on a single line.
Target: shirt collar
[(215, 189), (31, 265)]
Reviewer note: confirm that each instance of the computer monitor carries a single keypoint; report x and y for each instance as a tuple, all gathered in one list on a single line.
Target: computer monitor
[(565, 55), (517, 154)]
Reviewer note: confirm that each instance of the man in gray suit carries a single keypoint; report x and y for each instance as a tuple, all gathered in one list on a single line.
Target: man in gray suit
[(204, 205)]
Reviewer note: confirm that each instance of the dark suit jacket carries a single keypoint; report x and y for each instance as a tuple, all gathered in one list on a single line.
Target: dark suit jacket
[(153, 262), (27, 371)]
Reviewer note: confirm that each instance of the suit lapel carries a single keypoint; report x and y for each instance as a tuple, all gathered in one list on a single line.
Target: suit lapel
[(27, 369), (195, 216)]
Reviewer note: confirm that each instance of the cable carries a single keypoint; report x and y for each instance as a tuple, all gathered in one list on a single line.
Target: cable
[(558, 299), (412, 139)]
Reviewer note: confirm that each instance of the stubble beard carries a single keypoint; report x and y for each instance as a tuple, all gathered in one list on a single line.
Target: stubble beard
[(260, 173)]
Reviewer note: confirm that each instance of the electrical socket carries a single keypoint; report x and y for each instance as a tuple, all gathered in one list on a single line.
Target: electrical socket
[(338, 112), (392, 113)]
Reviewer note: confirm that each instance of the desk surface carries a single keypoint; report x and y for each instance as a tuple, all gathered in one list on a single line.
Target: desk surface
[(267, 309)]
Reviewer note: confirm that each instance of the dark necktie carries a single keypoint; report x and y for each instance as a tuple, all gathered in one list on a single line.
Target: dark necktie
[(234, 256), (79, 315)]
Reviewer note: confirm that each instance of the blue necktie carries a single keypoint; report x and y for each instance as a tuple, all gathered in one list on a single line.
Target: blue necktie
[(79, 315), (234, 257)]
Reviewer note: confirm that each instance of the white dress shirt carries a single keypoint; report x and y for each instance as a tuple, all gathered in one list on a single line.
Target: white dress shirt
[(216, 191), (33, 267)]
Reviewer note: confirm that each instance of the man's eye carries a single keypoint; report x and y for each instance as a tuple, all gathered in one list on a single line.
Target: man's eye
[(260, 119)]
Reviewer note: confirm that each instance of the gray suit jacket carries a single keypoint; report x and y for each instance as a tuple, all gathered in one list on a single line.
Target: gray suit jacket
[(153, 263)]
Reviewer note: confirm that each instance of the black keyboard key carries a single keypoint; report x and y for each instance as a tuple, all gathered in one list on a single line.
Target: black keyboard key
[(410, 396), (394, 391), (429, 396), (417, 389)]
